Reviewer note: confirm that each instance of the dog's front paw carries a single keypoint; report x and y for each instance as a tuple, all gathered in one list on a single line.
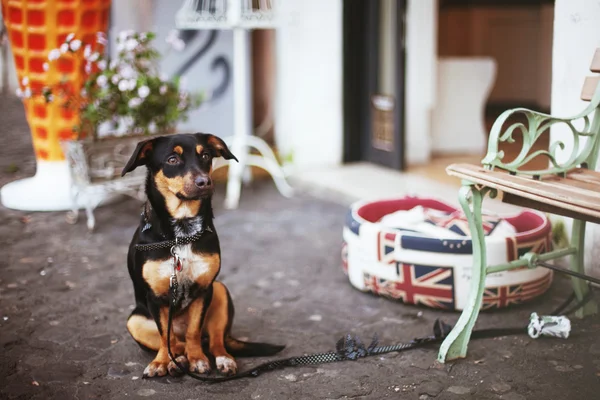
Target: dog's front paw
[(155, 368), (226, 365), (199, 365), (174, 369)]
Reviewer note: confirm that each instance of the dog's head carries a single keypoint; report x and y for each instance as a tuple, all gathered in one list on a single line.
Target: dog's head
[(180, 166)]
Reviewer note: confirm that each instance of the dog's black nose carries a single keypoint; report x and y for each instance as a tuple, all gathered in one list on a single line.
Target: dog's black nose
[(203, 182)]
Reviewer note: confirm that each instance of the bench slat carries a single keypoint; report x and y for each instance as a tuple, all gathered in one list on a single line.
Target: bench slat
[(555, 192), (589, 87), (548, 208), (595, 67)]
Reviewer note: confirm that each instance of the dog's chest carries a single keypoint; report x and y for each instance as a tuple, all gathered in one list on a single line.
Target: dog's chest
[(196, 269)]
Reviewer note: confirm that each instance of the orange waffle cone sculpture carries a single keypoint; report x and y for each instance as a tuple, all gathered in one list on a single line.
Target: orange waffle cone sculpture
[(35, 27)]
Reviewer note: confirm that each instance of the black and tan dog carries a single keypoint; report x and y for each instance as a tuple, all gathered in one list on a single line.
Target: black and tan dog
[(179, 189)]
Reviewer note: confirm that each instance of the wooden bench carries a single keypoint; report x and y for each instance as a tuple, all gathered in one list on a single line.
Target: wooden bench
[(570, 188)]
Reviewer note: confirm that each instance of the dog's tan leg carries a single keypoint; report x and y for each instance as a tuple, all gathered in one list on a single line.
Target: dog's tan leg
[(193, 337), (217, 324), (160, 365)]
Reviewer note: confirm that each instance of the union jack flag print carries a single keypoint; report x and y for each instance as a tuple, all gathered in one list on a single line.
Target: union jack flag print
[(417, 284), (515, 248), (457, 222), (386, 243), (502, 296)]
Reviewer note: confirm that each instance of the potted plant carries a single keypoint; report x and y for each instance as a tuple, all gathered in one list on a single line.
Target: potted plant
[(121, 100), (34, 28)]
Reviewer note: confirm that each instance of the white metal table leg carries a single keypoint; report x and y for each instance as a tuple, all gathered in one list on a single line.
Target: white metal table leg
[(242, 121)]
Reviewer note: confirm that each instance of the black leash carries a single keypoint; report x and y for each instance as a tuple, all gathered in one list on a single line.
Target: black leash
[(351, 348), (348, 348)]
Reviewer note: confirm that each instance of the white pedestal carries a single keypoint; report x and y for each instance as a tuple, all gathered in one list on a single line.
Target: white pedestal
[(48, 190)]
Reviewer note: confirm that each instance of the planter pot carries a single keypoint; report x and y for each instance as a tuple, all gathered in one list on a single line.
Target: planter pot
[(35, 28), (95, 172)]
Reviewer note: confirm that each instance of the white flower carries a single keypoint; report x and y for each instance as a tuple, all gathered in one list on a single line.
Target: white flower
[(124, 35), (101, 38), (134, 102), (25, 81), (101, 65), (163, 89), (83, 92), (54, 55), (115, 79), (127, 72), (123, 85), (174, 40), (94, 56), (120, 46), (64, 48), (70, 37), (19, 92), (143, 36), (143, 91), (132, 84), (131, 44), (88, 67), (27, 93), (46, 66), (113, 64), (87, 51), (75, 45), (102, 80), (50, 98)]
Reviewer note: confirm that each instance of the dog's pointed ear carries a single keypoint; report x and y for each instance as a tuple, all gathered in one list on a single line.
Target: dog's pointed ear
[(140, 156), (219, 147)]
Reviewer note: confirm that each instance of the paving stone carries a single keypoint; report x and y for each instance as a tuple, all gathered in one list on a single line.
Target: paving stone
[(61, 372), (117, 371), (146, 392), (500, 387), (595, 349), (431, 388), (459, 390), (513, 396)]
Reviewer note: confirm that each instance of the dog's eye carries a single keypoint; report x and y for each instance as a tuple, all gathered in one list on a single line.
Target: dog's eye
[(173, 160), (205, 156)]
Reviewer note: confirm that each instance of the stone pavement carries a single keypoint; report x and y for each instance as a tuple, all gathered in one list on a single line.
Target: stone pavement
[(65, 295)]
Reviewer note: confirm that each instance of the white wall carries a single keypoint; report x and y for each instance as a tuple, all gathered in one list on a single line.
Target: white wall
[(421, 73), (12, 72), (159, 17), (576, 36), (309, 115)]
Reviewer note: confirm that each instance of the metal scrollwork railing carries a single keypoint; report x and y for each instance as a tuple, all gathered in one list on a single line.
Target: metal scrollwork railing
[(224, 14), (582, 152)]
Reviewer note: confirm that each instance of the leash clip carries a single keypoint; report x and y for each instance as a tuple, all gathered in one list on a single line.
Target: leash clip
[(177, 265)]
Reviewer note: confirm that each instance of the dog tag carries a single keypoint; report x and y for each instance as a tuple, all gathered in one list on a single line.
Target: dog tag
[(177, 263)]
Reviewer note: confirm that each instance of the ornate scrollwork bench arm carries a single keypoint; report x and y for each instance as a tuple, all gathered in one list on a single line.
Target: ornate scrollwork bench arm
[(583, 153)]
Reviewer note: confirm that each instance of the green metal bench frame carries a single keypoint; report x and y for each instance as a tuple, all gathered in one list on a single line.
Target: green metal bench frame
[(471, 194)]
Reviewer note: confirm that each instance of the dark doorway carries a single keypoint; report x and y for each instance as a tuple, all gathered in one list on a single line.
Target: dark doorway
[(374, 74)]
